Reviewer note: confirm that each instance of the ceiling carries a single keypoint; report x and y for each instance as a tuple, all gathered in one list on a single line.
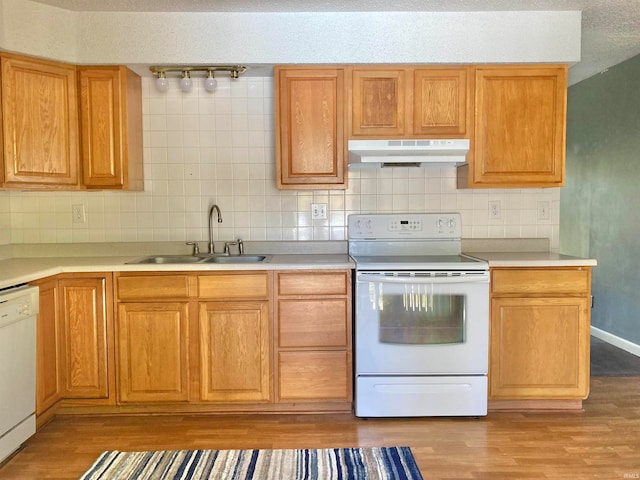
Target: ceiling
[(610, 28)]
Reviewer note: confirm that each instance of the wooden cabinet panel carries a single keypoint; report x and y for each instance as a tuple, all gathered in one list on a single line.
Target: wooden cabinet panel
[(440, 102), (234, 286), (47, 348), (539, 343), (540, 348), (40, 123), (313, 323), (153, 352), (309, 118), (312, 283), (411, 102), (379, 102), (314, 375), (152, 287), (519, 127), (313, 337), (84, 337), (235, 351), (542, 281), (111, 119)]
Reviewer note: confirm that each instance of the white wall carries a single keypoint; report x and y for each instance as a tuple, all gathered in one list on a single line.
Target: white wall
[(301, 37), (202, 148), (5, 218)]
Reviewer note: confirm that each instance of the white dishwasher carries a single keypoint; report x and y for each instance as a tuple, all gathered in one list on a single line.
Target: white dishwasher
[(18, 310)]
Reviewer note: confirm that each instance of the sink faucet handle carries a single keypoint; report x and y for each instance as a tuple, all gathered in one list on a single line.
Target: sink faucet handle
[(240, 247), (227, 245), (196, 247)]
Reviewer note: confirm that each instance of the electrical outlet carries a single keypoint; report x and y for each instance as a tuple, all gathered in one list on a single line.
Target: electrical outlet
[(78, 213), (495, 209), (318, 211), (543, 210)]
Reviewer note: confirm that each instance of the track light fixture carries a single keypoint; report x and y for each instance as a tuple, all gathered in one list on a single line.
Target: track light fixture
[(186, 72)]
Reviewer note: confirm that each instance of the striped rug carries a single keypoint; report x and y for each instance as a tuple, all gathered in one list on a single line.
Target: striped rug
[(384, 463)]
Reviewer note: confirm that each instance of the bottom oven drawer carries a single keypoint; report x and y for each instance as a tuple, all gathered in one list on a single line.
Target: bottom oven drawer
[(420, 396)]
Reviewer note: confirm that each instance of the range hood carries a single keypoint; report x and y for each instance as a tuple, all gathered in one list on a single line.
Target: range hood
[(402, 153)]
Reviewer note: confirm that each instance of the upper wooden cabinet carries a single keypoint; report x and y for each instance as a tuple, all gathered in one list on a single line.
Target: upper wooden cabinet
[(520, 125), (67, 128), (310, 131), (111, 126), (39, 123), (410, 102)]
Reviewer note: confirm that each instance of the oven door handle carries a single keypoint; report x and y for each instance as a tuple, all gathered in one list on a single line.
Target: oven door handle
[(422, 280)]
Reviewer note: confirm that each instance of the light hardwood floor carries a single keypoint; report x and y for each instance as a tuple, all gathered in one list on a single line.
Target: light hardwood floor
[(601, 442)]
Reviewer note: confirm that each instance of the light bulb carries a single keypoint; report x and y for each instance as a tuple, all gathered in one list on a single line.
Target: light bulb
[(185, 82), (162, 84), (210, 83)]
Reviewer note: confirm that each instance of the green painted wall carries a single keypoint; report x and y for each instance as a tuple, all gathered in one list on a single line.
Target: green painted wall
[(600, 204)]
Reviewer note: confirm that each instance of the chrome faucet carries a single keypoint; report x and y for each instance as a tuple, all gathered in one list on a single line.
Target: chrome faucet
[(212, 247)]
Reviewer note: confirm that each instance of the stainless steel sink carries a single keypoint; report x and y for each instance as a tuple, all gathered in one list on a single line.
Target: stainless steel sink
[(237, 259), (178, 259), (169, 259)]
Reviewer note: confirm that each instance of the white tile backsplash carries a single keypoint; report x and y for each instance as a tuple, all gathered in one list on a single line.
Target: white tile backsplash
[(202, 148)]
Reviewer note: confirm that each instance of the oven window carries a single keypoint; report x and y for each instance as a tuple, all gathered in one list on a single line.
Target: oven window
[(421, 318)]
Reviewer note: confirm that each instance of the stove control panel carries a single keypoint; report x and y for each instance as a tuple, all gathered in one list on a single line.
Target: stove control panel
[(410, 225)]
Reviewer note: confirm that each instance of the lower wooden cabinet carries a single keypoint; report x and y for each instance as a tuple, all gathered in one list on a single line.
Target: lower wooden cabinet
[(539, 342), (313, 331), (74, 341), (85, 341), (235, 351), (48, 372), (153, 352)]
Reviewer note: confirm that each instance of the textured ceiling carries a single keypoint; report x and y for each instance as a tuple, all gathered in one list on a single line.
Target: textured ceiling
[(610, 28)]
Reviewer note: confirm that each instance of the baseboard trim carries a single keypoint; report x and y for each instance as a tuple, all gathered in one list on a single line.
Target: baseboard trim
[(619, 342)]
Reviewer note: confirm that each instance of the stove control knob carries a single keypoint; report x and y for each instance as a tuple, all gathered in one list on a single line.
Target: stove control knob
[(452, 223), (441, 223)]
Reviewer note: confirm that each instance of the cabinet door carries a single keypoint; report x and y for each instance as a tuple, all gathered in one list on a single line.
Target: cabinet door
[(153, 352), (440, 102), (539, 348), (84, 362), (520, 127), (310, 139), (40, 122), (235, 352), (47, 348), (378, 106), (111, 119)]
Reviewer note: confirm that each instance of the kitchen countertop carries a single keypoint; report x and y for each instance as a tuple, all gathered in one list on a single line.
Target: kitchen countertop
[(22, 270), (532, 259), (19, 270)]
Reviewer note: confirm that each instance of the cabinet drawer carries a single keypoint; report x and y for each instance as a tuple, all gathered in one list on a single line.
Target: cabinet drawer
[(545, 281), (313, 323), (142, 287), (314, 376), (313, 283), (233, 286)]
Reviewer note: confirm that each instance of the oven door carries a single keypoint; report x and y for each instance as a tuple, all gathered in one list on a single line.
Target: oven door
[(422, 323)]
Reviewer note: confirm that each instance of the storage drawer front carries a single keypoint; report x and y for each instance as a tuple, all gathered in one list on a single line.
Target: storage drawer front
[(316, 283), (233, 286), (142, 287), (314, 376), (546, 281), (312, 323)]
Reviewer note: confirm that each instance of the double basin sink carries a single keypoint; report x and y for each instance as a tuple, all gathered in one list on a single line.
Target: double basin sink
[(201, 259)]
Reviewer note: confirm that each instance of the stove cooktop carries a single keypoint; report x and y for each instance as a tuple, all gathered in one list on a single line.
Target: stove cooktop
[(419, 262)]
